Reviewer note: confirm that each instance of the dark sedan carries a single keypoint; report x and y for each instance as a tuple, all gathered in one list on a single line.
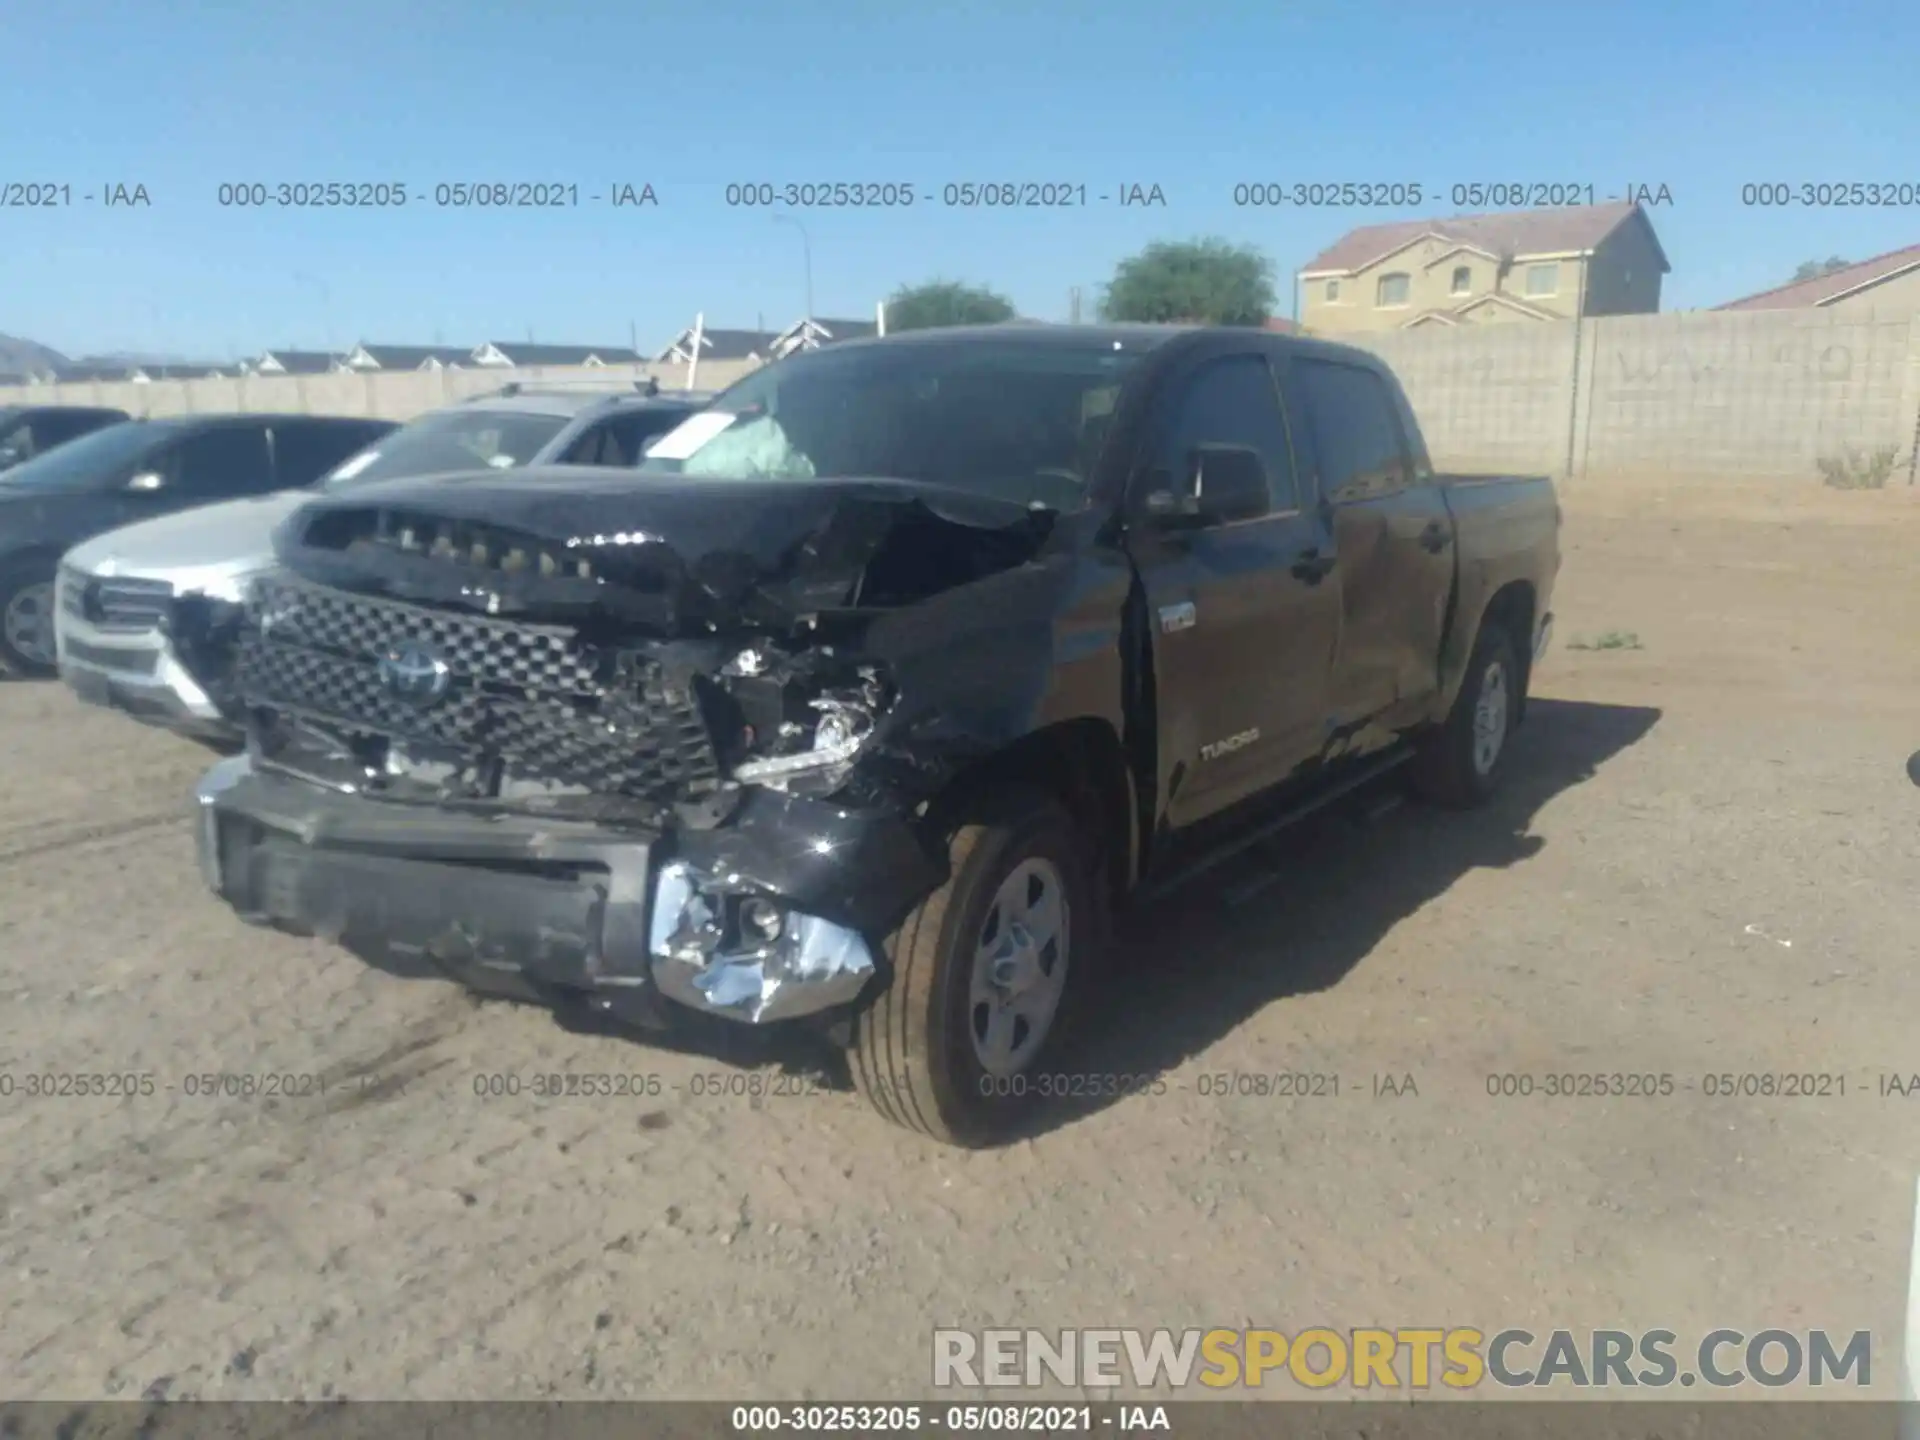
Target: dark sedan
[(133, 471)]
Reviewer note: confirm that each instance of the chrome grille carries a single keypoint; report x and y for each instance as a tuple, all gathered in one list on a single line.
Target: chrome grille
[(114, 602), (72, 587), (533, 697)]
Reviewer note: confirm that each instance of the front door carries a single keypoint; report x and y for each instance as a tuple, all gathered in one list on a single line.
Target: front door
[(1244, 617)]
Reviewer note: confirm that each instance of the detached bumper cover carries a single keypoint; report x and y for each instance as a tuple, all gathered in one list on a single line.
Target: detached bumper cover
[(538, 909)]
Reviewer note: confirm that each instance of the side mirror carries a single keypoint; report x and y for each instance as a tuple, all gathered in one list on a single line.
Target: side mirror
[(1913, 767), (1224, 483), (1230, 482), (147, 481)]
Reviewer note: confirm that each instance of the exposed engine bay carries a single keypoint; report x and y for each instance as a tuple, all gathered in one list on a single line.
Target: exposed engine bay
[(625, 659)]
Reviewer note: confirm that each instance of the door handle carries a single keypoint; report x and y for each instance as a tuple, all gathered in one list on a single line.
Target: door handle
[(1435, 538), (1312, 566)]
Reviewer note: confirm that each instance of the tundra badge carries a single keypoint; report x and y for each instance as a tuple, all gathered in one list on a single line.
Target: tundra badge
[(1229, 745)]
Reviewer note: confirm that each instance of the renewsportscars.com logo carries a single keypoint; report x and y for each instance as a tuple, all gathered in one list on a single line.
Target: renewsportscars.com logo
[(1459, 1358)]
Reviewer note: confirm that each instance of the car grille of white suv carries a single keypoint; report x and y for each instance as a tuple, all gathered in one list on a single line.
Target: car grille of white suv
[(110, 603)]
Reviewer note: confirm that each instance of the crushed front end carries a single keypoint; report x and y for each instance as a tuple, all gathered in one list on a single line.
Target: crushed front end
[(552, 767)]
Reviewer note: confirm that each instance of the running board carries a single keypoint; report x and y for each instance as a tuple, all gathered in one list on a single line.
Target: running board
[(1365, 774)]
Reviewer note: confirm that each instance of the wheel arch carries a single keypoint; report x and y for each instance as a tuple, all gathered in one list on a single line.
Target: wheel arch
[(1080, 763)]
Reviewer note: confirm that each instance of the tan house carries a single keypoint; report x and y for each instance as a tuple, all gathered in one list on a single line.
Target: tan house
[(1552, 264), (1889, 282)]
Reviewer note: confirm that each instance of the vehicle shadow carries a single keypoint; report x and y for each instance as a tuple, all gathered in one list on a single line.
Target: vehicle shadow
[(1190, 970)]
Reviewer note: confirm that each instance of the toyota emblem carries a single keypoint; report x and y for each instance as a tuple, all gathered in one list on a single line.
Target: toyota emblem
[(414, 673)]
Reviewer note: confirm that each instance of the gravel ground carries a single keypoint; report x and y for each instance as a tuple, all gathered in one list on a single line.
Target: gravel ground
[(1704, 864)]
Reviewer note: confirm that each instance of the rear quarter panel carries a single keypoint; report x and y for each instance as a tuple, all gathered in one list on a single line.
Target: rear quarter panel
[(1507, 531)]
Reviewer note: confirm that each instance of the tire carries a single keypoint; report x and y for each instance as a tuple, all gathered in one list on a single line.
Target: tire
[(1460, 764), (26, 596), (914, 1053)]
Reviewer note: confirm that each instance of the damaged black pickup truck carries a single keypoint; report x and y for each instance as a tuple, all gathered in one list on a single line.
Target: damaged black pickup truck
[(867, 698)]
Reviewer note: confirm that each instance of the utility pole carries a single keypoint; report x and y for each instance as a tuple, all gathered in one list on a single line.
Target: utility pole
[(806, 254)]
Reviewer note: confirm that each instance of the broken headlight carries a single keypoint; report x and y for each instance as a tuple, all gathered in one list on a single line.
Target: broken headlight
[(837, 740), (815, 755)]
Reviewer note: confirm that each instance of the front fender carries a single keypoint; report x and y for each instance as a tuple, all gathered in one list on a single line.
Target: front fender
[(982, 667)]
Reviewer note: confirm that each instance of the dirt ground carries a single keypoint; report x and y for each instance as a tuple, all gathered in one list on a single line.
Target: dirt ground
[(1705, 863)]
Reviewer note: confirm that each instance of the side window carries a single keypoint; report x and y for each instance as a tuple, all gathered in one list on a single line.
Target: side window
[(622, 440), (1234, 401), (1355, 431), (304, 453), (20, 442), (58, 429), (599, 445), (642, 428), (215, 464)]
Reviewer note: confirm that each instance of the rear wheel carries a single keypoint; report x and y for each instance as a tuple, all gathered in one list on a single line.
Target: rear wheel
[(988, 971), (26, 617), (1460, 764)]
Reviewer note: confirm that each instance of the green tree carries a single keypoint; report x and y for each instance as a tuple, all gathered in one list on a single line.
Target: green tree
[(1814, 269), (945, 302), (1206, 281)]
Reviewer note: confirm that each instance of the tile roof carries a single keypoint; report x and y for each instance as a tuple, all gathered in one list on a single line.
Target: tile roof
[(529, 354), (1508, 234), (412, 357), (808, 334), (1823, 289), (299, 362), (83, 372), (721, 344)]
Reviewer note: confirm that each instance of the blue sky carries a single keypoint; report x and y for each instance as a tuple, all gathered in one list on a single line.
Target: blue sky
[(1699, 95)]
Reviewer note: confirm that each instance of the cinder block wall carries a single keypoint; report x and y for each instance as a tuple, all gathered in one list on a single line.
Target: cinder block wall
[(388, 395), (1739, 394), (1719, 395), (1498, 397), (1761, 395)]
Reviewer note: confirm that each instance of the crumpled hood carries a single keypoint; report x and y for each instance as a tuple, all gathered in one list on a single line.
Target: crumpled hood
[(700, 548), (233, 538)]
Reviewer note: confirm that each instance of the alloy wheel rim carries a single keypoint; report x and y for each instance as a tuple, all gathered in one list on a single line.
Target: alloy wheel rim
[(1490, 718), (29, 623), (1019, 967)]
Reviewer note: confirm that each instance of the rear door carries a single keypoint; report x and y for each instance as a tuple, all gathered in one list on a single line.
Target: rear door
[(1243, 617), (304, 451), (1393, 533)]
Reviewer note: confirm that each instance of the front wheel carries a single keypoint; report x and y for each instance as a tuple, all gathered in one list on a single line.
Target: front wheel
[(988, 971), (26, 618), (1460, 763)]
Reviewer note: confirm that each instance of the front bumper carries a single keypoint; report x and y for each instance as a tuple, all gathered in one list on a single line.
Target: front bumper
[(138, 674), (554, 911)]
